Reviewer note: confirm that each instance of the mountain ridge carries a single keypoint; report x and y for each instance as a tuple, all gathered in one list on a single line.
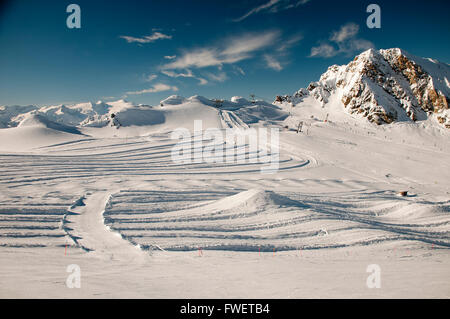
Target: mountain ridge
[(380, 86), (384, 86)]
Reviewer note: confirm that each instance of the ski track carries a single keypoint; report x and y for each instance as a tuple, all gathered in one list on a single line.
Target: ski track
[(24, 223), (93, 235), (265, 221), (240, 209)]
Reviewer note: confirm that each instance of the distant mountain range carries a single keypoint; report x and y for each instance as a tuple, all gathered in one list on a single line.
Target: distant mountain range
[(382, 87)]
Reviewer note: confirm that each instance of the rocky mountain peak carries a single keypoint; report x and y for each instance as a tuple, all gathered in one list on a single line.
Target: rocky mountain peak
[(385, 86)]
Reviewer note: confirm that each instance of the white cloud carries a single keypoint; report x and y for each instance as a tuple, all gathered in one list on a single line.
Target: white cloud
[(240, 70), (197, 58), (146, 39), (360, 44), (296, 4), (188, 74), (104, 98), (150, 77), (346, 41), (159, 87), (345, 32), (272, 6), (172, 74), (273, 60), (228, 52), (262, 7), (170, 57), (324, 50), (220, 77), (202, 81), (272, 63), (248, 43), (289, 43)]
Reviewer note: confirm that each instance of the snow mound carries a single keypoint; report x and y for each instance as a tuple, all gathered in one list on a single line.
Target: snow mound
[(173, 100), (240, 100), (201, 99), (38, 120), (257, 113), (8, 113), (253, 199), (36, 131), (139, 116), (184, 115), (141, 120)]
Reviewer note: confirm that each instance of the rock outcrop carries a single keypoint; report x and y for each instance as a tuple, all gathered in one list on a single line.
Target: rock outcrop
[(385, 86)]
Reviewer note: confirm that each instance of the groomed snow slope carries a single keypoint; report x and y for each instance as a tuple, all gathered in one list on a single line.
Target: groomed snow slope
[(49, 125), (140, 225), (36, 131)]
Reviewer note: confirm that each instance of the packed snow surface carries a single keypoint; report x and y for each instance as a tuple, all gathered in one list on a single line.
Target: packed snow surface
[(76, 189)]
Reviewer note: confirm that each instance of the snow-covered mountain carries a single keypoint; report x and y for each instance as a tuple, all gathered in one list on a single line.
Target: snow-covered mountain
[(383, 86), (82, 114), (172, 111)]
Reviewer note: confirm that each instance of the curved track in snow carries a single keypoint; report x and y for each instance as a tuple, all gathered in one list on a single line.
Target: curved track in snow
[(139, 157), (93, 235), (158, 204), (257, 220)]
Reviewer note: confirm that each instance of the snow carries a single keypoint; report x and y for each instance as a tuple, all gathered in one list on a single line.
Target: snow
[(383, 86), (138, 224), (35, 131), (239, 100), (439, 71), (7, 113), (173, 100)]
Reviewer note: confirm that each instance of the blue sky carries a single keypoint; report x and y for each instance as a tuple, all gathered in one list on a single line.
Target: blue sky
[(144, 51)]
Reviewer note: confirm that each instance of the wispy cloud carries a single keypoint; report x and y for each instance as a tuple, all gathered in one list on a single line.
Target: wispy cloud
[(150, 77), (170, 57), (324, 50), (173, 74), (342, 41), (270, 46), (346, 32), (146, 39), (202, 81), (263, 7), (187, 74), (278, 58), (272, 63), (272, 6), (219, 77), (105, 98), (159, 87), (289, 43), (239, 70), (228, 52)]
